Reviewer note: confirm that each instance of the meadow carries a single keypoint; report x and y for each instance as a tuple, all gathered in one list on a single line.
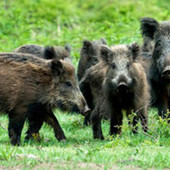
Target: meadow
[(58, 22)]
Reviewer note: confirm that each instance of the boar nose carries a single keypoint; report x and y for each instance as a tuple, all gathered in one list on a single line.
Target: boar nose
[(166, 72), (86, 111), (122, 87), (122, 83)]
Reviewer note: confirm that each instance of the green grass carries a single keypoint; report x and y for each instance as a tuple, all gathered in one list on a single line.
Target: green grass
[(58, 22), (140, 150)]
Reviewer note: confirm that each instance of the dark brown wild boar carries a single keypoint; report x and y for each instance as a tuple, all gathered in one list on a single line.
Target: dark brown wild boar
[(89, 55), (158, 34), (36, 54), (91, 85), (49, 52), (125, 87), (28, 58), (31, 91), (89, 58)]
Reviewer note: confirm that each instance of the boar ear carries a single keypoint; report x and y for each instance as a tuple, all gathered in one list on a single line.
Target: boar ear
[(135, 50), (104, 53), (103, 41), (68, 48), (57, 68), (148, 27), (86, 45), (49, 52)]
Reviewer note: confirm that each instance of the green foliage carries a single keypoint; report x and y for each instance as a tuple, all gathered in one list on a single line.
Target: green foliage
[(58, 22)]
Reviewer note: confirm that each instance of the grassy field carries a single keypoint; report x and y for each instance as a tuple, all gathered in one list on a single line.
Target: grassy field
[(58, 22)]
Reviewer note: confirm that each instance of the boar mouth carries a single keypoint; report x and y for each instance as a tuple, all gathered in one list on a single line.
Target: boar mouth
[(75, 109), (62, 106), (122, 87), (70, 107)]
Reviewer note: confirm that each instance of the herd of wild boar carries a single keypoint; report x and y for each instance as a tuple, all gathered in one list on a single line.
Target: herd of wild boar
[(35, 79)]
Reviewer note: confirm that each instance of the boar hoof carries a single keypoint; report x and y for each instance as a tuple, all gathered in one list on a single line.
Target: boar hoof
[(63, 140), (34, 136), (15, 143), (61, 137), (99, 137)]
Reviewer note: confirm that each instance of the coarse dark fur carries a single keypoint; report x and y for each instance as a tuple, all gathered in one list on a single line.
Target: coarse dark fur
[(158, 34), (125, 87), (89, 55), (49, 52), (24, 58), (91, 85), (31, 91)]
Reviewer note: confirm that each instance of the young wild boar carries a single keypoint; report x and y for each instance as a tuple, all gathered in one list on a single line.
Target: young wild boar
[(31, 91), (159, 72), (91, 85), (49, 52), (124, 88), (37, 54), (89, 55), (89, 58), (28, 58)]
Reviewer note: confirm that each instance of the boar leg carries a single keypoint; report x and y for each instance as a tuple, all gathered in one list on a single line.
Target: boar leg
[(143, 115), (53, 122), (96, 125), (86, 90), (133, 123), (129, 114), (163, 107), (15, 127), (33, 129), (36, 117), (116, 122), (87, 120)]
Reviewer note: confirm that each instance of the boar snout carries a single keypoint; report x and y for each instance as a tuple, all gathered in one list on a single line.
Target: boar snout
[(123, 81), (122, 87), (166, 72), (86, 111), (122, 84)]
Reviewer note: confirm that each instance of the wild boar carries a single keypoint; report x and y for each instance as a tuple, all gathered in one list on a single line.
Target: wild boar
[(28, 90), (158, 34), (49, 52), (89, 55), (125, 87)]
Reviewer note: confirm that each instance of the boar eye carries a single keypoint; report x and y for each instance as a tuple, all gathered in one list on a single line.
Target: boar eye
[(95, 60), (158, 43), (128, 65), (113, 65), (68, 83)]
